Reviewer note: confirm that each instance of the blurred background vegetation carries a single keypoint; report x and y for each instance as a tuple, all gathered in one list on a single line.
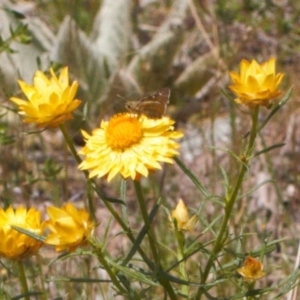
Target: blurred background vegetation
[(121, 50), (124, 49)]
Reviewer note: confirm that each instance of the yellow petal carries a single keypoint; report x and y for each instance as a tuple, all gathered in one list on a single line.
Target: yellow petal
[(256, 84), (50, 101)]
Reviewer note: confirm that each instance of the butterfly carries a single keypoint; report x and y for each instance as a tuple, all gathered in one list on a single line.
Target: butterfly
[(152, 106)]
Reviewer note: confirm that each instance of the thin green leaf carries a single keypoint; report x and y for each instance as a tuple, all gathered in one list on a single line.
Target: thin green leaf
[(210, 226), (276, 108), (209, 297), (251, 293), (224, 175), (226, 94), (79, 279), (141, 236), (238, 158), (249, 192), (193, 177), (66, 255), (25, 295), (105, 234), (6, 139), (29, 233), (288, 283), (269, 149), (265, 249), (103, 196), (132, 274), (184, 282)]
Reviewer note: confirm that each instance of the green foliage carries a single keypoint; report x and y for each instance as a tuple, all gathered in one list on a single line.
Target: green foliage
[(20, 35), (5, 139), (51, 169)]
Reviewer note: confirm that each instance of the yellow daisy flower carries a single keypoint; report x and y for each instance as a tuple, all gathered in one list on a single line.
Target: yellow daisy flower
[(252, 269), (129, 145), (257, 83), (70, 227), (15, 245), (183, 220), (50, 101)]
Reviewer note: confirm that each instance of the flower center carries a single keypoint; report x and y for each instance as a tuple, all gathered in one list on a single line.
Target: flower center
[(123, 131)]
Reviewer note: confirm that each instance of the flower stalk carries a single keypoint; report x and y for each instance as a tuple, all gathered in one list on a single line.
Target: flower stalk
[(73, 150), (152, 241), (109, 271), (150, 233), (181, 257), (230, 201), (42, 277), (22, 278)]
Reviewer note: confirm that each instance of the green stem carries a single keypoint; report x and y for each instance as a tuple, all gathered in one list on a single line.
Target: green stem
[(230, 202), (164, 282), (250, 287), (23, 280), (110, 272), (42, 277), (71, 146), (181, 257), (91, 200), (144, 212)]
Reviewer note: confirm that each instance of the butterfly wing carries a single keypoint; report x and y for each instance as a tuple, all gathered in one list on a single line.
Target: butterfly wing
[(153, 106), (153, 109), (162, 96)]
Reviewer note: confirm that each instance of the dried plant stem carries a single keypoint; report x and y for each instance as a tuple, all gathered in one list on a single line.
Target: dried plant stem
[(199, 24), (214, 49)]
